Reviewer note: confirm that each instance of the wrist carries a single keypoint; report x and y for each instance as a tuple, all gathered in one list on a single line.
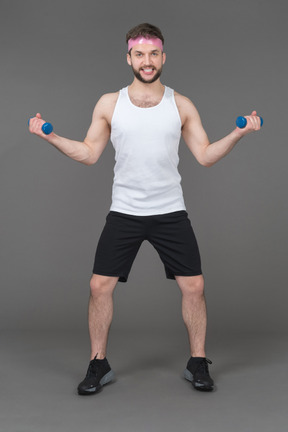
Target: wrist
[(237, 134), (52, 138)]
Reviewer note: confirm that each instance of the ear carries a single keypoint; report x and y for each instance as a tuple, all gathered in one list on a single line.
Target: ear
[(164, 57), (129, 59)]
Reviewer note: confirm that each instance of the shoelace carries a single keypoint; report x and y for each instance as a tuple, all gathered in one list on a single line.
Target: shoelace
[(203, 366), (93, 368)]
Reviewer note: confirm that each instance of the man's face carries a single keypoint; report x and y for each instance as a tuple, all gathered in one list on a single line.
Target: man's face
[(146, 62)]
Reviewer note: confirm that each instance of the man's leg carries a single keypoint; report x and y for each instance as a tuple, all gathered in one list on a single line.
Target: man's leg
[(194, 312), (99, 371), (195, 319), (100, 313)]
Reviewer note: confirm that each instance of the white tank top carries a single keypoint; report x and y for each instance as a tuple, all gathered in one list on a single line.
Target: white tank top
[(146, 142)]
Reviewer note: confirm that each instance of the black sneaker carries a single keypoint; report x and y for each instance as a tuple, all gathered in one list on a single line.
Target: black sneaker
[(98, 374), (197, 372)]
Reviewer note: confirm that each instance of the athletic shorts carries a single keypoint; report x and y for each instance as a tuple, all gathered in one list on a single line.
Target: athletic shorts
[(171, 234)]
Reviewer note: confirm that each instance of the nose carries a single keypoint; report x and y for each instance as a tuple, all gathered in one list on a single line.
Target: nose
[(147, 59)]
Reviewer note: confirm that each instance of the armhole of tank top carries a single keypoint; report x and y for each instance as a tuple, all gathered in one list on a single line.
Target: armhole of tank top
[(117, 102), (176, 108)]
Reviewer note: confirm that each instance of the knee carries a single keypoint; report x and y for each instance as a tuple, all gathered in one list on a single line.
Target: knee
[(192, 286), (102, 285)]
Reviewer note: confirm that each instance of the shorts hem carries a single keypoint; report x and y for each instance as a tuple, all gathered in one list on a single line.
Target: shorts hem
[(120, 278), (172, 276)]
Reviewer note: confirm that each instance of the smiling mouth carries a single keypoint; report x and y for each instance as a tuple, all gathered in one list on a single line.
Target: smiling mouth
[(147, 70)]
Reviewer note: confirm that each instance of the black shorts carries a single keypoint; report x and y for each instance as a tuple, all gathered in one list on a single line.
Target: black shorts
[(171, 234)]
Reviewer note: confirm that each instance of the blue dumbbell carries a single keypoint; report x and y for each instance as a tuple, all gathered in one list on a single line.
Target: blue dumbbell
[(47, 128), (241, 122)]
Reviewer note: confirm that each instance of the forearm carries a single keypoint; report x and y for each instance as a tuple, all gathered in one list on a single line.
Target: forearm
[(76, 150), (87, 151), (219, 149)]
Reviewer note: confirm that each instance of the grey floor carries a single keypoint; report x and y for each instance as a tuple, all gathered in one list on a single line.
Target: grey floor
[(40, 372)]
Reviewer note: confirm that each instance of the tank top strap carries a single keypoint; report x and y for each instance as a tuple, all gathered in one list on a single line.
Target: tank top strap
[(169, 92)]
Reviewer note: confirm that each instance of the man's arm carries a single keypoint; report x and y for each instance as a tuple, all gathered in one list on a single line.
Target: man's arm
[(88, 151), (196, 138)]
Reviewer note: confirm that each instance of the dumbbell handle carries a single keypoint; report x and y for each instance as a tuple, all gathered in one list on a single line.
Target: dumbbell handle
[(47, 128), (241, 122)]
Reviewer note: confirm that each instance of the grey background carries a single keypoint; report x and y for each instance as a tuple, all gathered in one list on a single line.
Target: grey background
[(58, 58)]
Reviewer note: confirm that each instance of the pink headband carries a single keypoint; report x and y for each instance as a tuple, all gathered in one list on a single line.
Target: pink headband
[(142, 40)]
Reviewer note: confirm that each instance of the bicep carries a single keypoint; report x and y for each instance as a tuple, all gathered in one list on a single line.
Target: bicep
[(98, 134), (194, 134)]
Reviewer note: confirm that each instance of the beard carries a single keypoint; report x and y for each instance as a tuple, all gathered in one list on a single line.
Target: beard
[(147, 81)]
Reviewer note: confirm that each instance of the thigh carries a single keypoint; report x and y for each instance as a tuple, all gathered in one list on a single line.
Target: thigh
[(174, 239), (118, 246)]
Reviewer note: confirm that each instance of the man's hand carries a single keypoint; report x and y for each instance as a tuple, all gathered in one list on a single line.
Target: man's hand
[(35, 127), (253, 124)]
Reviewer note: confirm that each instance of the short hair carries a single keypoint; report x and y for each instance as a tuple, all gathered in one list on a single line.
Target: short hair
[(145, 30)]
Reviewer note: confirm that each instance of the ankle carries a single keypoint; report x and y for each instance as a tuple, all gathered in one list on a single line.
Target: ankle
[(199, 354), (97, 356)]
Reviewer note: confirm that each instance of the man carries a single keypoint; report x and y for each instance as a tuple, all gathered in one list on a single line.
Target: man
[(145, 121)]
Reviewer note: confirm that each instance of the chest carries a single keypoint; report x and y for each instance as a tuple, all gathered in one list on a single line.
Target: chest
[(147, 102), (159, 122)]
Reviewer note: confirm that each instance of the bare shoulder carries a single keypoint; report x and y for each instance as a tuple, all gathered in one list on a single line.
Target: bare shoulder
[(106, 105), (186, 108), (109, 99), (184, 104)]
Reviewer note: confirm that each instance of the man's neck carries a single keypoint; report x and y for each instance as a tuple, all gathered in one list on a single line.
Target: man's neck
[(146, 90)]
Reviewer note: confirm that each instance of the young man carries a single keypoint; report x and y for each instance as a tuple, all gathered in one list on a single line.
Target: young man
[(145, 122)]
